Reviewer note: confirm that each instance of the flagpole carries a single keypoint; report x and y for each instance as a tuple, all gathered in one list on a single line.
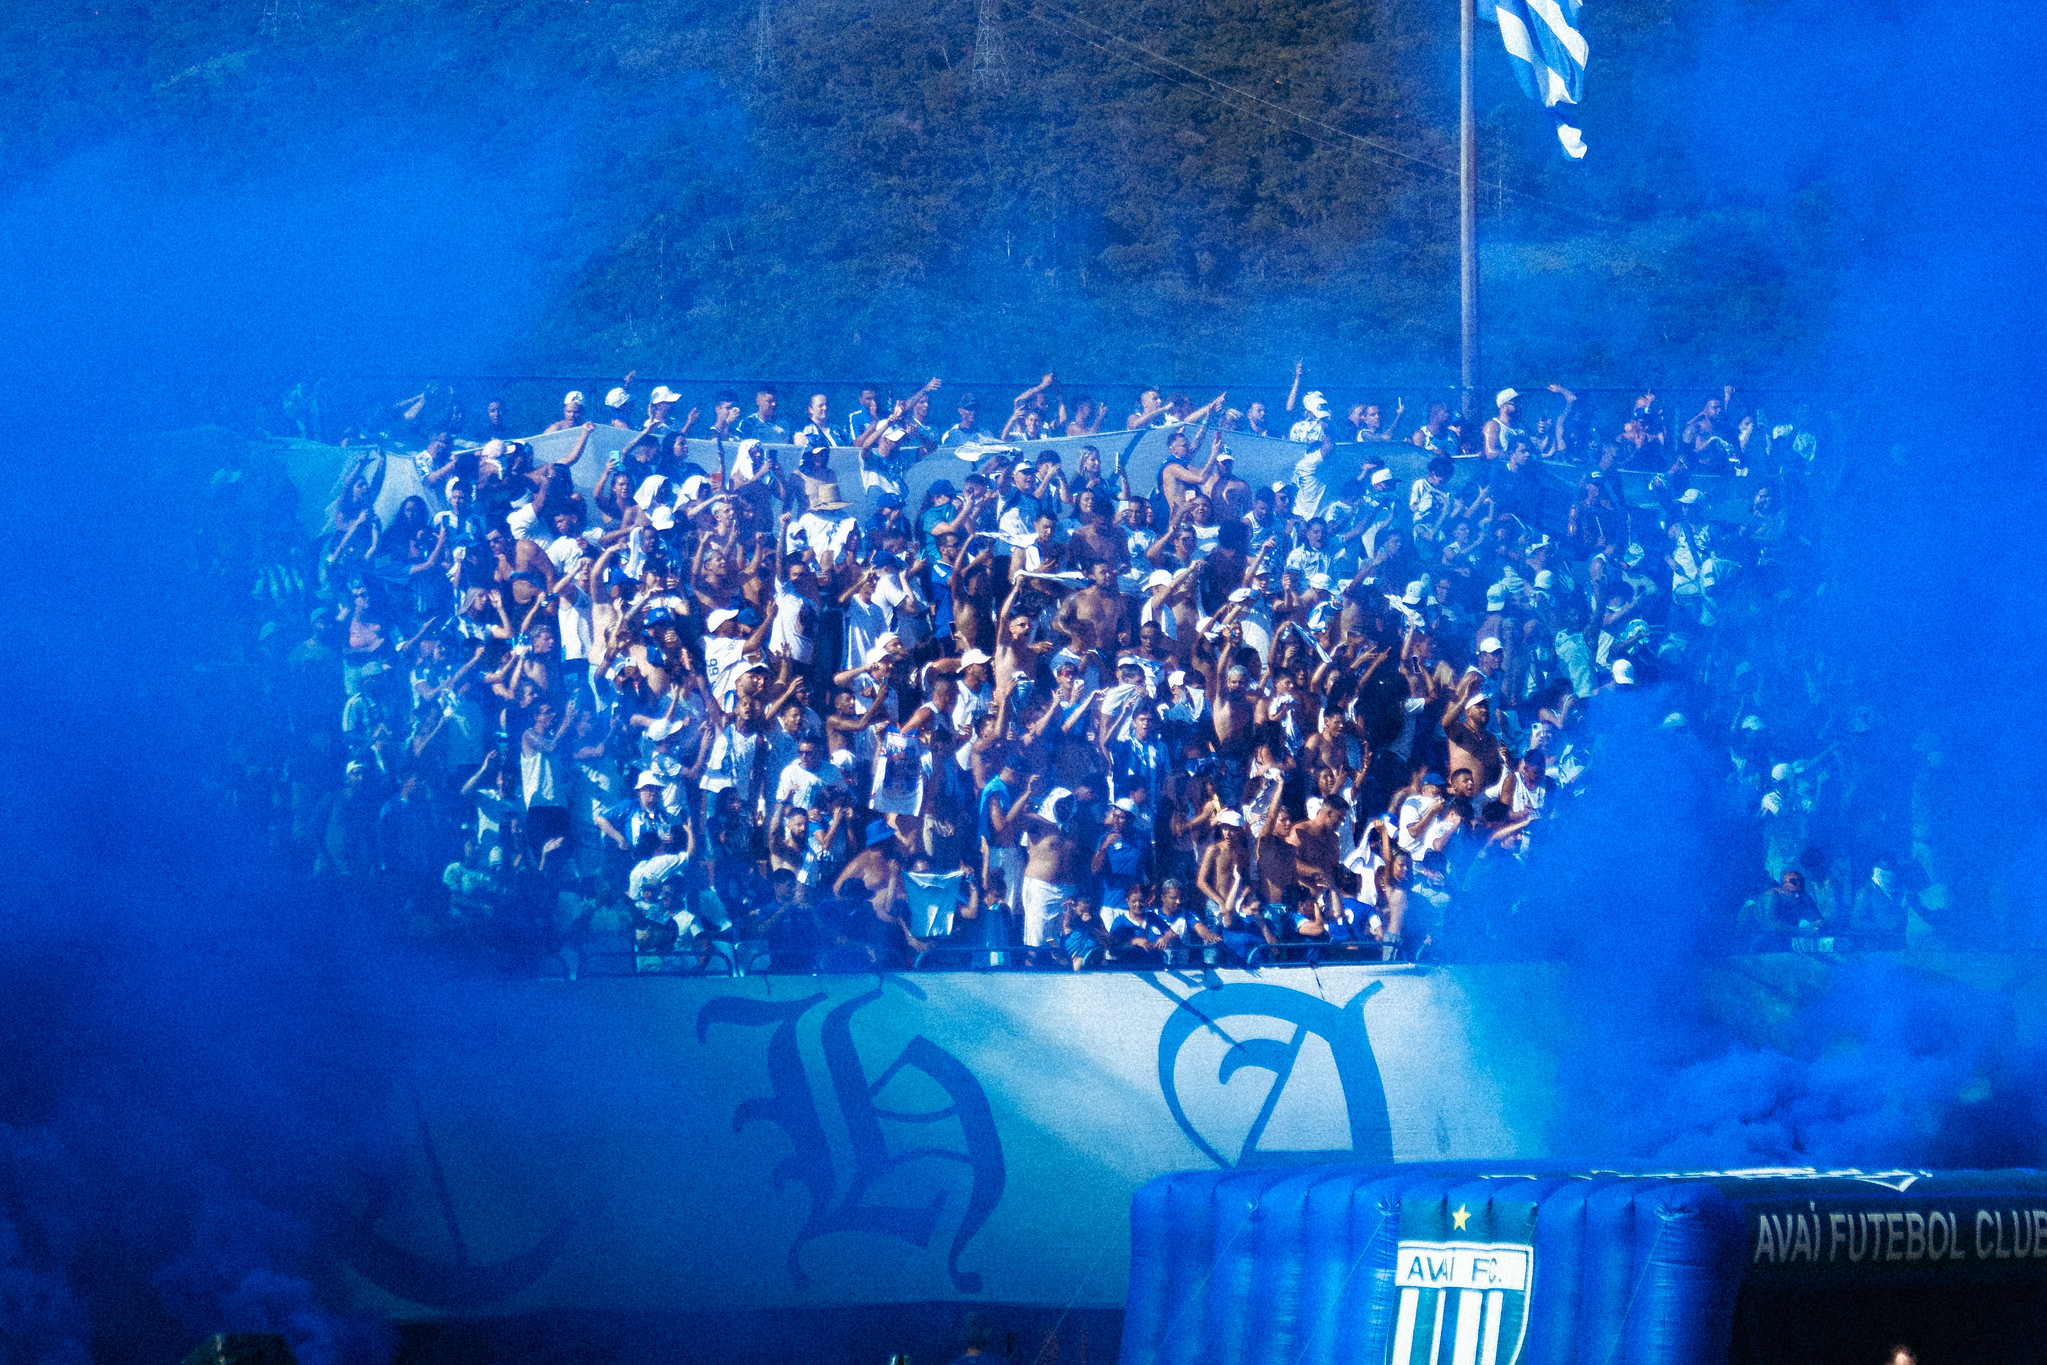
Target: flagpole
[(1467, 202)]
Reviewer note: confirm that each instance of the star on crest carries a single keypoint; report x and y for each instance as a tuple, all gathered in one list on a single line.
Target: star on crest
[(1459, 1217)]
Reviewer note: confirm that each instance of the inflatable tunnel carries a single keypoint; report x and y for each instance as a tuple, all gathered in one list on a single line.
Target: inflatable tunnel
[(1465, 1265)]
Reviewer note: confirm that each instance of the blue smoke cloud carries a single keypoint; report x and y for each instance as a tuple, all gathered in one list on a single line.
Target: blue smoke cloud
[(193, 1037)]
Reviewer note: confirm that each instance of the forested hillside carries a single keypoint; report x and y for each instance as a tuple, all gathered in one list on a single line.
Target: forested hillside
[(840, 187)]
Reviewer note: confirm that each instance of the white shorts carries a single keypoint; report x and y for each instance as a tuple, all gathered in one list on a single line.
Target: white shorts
[(1010, 862), (1043, 904)]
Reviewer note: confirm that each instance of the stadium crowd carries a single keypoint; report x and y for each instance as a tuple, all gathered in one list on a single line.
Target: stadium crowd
[(748, 717)]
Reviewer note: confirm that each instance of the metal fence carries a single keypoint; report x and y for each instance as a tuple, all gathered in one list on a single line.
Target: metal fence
[(373, 402)]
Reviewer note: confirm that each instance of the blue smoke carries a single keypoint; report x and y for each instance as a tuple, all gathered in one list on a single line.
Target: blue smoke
[(193, 1039)]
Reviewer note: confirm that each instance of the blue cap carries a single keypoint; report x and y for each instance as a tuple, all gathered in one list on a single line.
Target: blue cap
[(1433, 780), (943, 488), (887, 500)]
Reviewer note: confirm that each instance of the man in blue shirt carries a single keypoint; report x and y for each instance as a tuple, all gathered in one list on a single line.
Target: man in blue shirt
[(968, 428), (762, 426)]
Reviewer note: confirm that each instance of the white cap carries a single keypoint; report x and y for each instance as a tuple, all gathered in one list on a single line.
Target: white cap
[(1505, 396), (1381, 475), (1496, 597), (573, 398), (647, 780), (1315, 403), (719, 618), (1125, 804), (1230, 817), (1688, 497), (663, 517), (1623, 672), (617, 398), (1321, 582), (1417, 592), (878, 651), (1158, 578), (663, 394), (1240, 595), (1545, 579), (1177, 678), (1491, 645), (974, 656)]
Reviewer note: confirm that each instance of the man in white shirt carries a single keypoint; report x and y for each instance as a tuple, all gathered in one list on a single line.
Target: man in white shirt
[(796, 615), (806, 783)]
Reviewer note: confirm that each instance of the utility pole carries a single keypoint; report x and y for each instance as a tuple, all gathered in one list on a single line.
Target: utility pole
[(764, 41), (1467, 202), (991, 52)]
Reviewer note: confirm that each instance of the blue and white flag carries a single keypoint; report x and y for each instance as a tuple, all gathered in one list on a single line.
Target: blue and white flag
[(1549, 57)]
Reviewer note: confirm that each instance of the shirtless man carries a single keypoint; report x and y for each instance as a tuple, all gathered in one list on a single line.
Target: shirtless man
[(1276, 866), (1315, 848), (1179, 476), (878, 868), (1054, 865), (1230, 495), (1016, 654), (1232, 709), (1226, 863), (1097, 537), (1472, 745), (1095, 618)]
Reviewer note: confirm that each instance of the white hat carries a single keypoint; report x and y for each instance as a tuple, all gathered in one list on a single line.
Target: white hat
[(719, 618), (1240, 595), (663, 394), (665, 729), (647, 780), (1381, 475), (1230, 817), (1674, 721), (974, 656), (1505, 396), (1049, 807), (878, 651), (1321, 582), (1417, 592), (1315, 403), (1491, 645), (1633, 554), (1496, 597), (1623, 672), (573, 398), (1125, 804), (1545, 579), (1158, 578), (649, 489), (1177, 678), (617, 398), (1688, 497), (663, 517)]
